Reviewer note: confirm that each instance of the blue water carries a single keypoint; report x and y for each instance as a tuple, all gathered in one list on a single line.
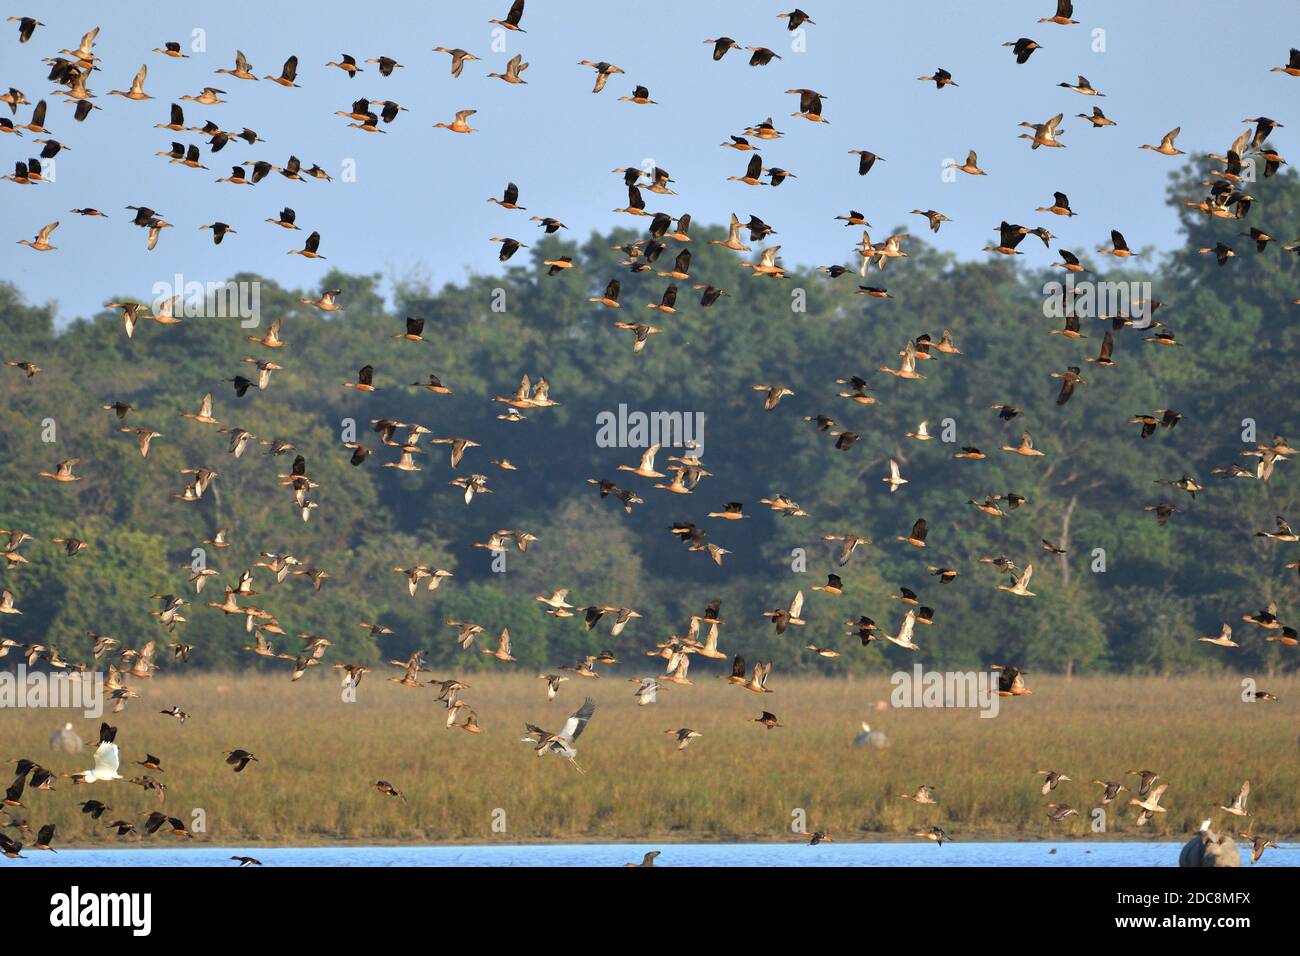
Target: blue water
[(673, 854)]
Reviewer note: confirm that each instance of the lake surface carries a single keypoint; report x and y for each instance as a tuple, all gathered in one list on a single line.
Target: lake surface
[(689, 854)]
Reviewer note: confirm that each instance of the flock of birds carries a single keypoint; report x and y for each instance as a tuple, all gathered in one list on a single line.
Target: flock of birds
[(73, 70)]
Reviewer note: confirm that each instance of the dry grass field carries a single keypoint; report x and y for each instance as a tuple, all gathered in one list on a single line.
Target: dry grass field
[(319, 755)]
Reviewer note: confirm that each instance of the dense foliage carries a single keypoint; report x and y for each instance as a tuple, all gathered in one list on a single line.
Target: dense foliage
[(1162, 586)]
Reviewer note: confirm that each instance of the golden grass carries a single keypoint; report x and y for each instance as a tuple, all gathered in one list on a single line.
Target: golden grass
[(739, 782)]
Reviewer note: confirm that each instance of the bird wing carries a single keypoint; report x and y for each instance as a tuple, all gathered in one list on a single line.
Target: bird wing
[(106, 761), (683, 664), (574, 726)]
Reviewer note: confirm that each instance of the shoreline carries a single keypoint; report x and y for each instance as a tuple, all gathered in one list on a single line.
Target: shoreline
[(1167, 839)]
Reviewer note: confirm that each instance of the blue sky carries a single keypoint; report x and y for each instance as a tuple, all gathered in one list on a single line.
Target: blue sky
[(417, 208)]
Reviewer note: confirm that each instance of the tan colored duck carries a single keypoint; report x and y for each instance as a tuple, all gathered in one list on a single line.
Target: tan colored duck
[(1044, 134), (1060, 205), (1026, 447), (733, 237), (940, 79), (242, 70), (907, 368), (1166, 147), (328, 301), (511, 21), (288, 73), (1064, 11), (1097, 118), (514, 67), (1292, 68), (1020, 584), (41, 242), (136, 92), (309, 249), (970, 167), (348, 64), (208, 96), (458, 58), (603, 72), (1069, 261), (459, 124), (62, 471), (810, 105)]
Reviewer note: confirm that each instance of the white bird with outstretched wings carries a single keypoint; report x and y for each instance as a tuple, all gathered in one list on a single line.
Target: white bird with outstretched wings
[(106, 757)]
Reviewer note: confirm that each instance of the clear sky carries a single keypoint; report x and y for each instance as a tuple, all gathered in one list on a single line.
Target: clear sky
[(417, 208)]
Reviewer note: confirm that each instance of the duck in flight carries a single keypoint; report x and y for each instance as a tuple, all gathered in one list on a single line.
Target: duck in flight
[(940, 78), (1166, 147), (513, 18)]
